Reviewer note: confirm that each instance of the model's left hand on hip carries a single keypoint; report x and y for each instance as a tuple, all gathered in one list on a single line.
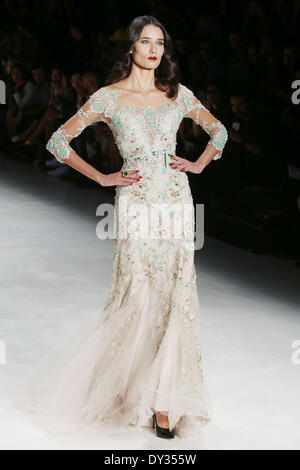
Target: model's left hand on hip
[(182, 164)]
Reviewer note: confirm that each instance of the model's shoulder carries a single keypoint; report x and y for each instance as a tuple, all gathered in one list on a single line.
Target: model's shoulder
[(108, 90), (184, 90), (104, 92), (101, 90)]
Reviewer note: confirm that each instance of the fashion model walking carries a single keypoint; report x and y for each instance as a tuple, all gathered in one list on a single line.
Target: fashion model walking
[(140, 364)]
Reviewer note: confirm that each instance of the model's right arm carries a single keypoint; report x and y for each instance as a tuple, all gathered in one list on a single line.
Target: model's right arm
[(58, 144)]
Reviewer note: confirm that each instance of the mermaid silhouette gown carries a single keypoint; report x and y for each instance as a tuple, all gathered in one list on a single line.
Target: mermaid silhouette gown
[(142, 353)]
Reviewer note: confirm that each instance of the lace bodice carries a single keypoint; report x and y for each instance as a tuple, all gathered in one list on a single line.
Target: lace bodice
[(138, 131)]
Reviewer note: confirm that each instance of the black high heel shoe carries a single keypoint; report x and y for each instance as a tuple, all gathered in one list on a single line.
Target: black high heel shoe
[(162, 432)]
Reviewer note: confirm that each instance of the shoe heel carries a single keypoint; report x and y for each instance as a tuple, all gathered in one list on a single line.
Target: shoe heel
[(162, 432)]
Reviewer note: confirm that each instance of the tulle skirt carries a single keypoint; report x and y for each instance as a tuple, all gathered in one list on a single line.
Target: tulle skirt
[(140, 354)]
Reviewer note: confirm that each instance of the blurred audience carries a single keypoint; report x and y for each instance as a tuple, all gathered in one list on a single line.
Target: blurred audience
[(240, 59)]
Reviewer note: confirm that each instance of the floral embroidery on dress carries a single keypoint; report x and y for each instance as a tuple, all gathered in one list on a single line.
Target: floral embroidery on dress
[(150, 357), (137, 130)]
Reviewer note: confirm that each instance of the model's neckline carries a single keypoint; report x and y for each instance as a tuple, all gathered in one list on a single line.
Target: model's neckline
[(168, 104)]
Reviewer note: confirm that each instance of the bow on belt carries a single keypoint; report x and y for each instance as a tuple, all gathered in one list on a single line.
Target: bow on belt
[(155, 152)]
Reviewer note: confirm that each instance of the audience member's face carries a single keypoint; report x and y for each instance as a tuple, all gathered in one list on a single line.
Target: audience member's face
[(55, 75), (149, 44), (212, 94), (17, 75), (39, 76), (239, 106)]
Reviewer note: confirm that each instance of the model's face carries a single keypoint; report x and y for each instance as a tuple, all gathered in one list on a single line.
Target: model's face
[(149, 44)]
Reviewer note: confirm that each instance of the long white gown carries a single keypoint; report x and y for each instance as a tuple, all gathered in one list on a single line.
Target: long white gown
[(142, 353)]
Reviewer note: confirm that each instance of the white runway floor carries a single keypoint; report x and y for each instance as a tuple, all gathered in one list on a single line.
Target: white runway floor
[(55, 274)]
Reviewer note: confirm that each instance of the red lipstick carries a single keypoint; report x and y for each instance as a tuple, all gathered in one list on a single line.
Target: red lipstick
[(152, 58)]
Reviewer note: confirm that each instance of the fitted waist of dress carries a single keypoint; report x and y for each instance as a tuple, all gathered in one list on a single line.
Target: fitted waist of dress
[(165, 152)]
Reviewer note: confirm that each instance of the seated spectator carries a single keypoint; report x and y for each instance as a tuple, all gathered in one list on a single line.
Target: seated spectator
[(195, 139), (7, 63), (248, 151), (289, 72), (39, 103), (22, 98), (215, 101), (60, 107), (62, 95)]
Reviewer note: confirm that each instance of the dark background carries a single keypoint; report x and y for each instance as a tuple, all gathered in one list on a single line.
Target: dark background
[(239, 58)]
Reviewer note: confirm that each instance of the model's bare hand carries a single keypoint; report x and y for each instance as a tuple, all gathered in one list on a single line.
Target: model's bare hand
[(181, 164), (117, 179)]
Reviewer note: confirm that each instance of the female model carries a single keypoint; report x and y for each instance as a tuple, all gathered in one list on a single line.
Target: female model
[(140, 363)]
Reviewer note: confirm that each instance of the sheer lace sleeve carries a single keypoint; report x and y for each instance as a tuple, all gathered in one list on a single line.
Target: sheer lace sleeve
[(95, 109), (196, 111)]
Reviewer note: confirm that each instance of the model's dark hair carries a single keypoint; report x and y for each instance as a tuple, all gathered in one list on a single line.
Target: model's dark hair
[(166, 74)]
